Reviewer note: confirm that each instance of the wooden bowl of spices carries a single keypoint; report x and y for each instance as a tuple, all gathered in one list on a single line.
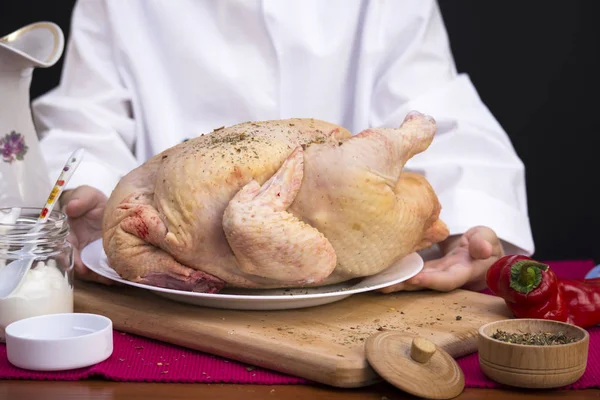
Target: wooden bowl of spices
[(533, 353)]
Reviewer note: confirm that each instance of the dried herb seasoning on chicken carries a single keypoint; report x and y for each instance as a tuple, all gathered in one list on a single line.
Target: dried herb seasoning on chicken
[(283, 203), (530, 289)]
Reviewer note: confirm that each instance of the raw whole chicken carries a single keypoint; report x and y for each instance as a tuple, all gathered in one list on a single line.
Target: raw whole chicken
[(285, 203)]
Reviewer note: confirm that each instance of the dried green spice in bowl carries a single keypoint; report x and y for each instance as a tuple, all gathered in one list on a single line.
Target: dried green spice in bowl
[(534, 338)]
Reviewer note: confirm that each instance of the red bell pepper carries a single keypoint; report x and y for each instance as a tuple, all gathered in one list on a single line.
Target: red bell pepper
[(530, 289)]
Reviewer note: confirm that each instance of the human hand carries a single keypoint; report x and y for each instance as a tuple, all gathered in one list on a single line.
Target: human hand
[(84, 207), (464, 264)]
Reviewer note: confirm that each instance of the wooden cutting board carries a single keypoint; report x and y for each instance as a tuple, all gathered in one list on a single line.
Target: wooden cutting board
[(324, 344)]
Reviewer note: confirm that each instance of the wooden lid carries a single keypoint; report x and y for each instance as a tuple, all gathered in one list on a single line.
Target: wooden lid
[(415, 365)]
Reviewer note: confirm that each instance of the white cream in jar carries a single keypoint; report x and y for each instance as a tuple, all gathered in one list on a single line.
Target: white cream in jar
[(45, 290)]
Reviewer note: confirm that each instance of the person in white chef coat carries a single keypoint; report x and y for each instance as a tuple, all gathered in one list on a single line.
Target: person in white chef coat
[(140, 76)]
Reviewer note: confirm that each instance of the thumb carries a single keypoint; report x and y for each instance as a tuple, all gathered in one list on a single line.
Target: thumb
[(481, 243), (82, 200)]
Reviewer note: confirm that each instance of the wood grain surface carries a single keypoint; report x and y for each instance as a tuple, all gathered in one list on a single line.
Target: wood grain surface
[(324, 344)]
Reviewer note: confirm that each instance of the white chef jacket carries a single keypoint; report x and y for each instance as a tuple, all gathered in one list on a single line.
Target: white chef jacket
[(140, 76)]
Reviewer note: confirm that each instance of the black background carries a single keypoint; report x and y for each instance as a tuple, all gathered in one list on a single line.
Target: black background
[(535, 65)]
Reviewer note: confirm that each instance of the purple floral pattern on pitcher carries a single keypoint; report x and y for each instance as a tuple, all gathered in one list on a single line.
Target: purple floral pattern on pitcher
[(13, 147)]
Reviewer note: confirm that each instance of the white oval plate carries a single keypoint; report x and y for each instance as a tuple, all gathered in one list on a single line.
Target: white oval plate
[(272, 299)]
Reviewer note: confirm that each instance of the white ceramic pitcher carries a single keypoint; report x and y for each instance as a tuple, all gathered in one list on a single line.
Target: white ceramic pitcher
[(24, 180)]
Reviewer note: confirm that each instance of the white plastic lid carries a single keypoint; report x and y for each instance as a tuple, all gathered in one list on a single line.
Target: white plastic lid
[(56, 342)]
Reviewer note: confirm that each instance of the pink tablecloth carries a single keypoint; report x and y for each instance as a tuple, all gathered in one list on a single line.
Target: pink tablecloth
[(140, 359)]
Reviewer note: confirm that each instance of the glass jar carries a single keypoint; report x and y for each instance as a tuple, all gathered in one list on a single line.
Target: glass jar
[(48, 286)]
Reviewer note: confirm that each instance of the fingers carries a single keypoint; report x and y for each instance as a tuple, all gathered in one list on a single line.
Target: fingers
[(435, 276), (81, 270), (483, 242), (82, 200), (77, 203), (414, 283), (465, 263), (402, 286), (480, 248), (85, 274), (442, 280), (394, 288)]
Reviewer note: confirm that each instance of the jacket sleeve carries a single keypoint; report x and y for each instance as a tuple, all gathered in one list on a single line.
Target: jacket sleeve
[(472, 165), (90, 108)]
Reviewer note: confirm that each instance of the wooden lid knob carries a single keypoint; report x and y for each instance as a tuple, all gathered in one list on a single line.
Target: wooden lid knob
[(421, 349)]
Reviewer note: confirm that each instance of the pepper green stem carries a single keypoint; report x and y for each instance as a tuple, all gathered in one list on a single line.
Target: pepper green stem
[(526, 275)]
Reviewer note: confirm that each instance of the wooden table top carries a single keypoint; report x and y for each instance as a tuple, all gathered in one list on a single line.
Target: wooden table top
[(105, 390)]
